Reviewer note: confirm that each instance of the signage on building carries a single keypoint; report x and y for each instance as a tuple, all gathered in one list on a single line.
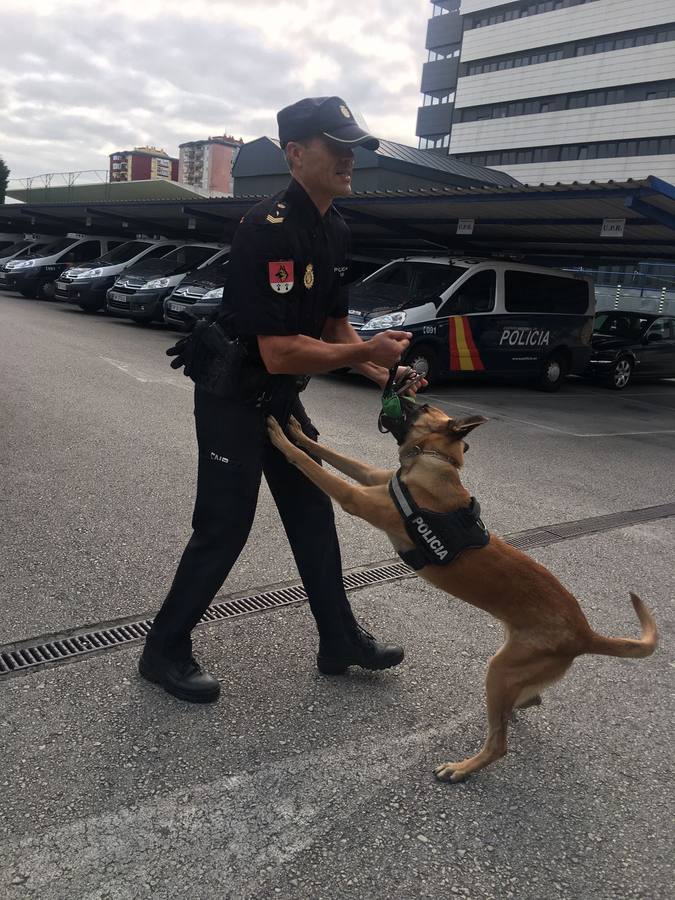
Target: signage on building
[(465, 226), (612, 228)]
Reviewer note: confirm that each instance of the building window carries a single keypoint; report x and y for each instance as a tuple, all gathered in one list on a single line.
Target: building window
[(632, 94), (496, 17), (566, 152), (605, 44)]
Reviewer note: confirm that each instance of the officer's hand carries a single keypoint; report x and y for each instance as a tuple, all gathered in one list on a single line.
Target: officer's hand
[(181, 354), (387, 348), (415, 386)]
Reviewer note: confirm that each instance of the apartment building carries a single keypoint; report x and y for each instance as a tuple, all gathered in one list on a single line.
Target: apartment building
[(208, 164), (142, 164), (554, 90)]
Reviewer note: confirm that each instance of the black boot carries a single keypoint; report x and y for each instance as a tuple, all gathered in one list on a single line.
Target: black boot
[(181, 678), (358, 648)]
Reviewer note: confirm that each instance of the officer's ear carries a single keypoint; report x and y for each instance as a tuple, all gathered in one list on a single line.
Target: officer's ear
[(459, 428), (294, 151)]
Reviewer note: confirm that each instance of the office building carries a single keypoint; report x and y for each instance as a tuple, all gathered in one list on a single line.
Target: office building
[(555, 90)]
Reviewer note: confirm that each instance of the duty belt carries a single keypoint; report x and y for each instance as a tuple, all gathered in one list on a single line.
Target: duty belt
[(439, 538)]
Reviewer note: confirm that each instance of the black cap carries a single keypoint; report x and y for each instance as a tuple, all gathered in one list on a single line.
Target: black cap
[(328, 116)]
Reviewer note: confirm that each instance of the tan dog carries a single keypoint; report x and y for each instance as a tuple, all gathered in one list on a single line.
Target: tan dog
[(545, 627)]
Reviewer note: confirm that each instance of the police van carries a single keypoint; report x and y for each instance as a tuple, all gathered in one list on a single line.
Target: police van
[(34, 275), (476, 317), (22, 246)]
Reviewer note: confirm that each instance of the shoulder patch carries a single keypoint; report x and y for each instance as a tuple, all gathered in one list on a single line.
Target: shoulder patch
[(277, 214)]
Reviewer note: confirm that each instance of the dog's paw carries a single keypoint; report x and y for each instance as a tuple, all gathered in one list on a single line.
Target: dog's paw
[(276, 435), (296, 434), (451, 771)]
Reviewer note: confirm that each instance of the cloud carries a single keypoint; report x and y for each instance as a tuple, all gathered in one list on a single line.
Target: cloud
[(78, 82)]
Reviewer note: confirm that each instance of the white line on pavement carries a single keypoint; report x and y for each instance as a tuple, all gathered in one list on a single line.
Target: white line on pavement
[(499, 414), (145, 377)]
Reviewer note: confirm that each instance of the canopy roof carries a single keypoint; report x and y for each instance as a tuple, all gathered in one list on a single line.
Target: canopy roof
[(629, 220)]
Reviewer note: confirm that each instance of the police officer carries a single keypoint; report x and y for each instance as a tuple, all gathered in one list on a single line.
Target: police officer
[(287, 300)]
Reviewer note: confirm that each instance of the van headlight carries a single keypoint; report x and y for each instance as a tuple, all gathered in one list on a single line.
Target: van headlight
[(155, 284), (215, 294), (25, 264), (391, 320)]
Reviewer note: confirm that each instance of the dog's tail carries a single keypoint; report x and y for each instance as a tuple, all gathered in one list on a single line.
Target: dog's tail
[(609, 646)]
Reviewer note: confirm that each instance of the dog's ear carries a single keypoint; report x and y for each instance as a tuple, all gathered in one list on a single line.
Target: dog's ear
[(459, 428)]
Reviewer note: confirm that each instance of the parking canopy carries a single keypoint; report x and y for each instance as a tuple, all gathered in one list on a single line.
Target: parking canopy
[(631, 220)]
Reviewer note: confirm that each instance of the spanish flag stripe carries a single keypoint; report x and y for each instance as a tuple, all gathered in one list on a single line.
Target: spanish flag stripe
[(465, 360), (475, 355), (452, 341)]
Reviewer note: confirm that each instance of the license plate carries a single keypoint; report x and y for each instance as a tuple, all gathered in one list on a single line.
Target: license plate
[(3, 277), (174, 307), (119, 298), (61, 286)]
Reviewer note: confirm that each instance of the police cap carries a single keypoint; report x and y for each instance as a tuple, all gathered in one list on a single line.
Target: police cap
[(328, 116)]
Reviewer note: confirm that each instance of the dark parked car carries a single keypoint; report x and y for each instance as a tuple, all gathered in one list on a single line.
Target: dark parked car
[(139, 292), (200, 293), (629, 345)]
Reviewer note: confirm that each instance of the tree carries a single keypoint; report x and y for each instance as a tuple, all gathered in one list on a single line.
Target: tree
[(4, 178)]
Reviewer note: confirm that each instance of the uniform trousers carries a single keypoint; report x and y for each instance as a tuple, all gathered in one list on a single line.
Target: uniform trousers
[(234, 452)]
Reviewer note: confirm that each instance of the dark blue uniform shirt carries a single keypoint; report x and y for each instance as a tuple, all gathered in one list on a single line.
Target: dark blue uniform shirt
[(288, 267)]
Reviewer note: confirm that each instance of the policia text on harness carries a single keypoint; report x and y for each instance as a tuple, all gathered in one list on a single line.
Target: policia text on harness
[(439, 538)]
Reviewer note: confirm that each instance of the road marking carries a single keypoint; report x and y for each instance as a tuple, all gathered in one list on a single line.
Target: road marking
[(236, 832), (500, 415), (145, 377)]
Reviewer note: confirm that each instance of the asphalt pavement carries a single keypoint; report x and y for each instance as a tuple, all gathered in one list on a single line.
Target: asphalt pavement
[(295, 785)]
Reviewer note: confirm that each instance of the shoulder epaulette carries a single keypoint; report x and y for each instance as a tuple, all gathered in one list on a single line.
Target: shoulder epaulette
[(278, 213)]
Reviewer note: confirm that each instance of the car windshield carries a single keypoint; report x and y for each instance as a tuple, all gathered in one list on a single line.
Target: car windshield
[(621, 324), (402, 285), (54, 247), (190, 256), (124, 252), (12, 249)]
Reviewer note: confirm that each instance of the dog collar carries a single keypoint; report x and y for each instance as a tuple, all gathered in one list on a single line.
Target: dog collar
[(417, 451), (439, 538)]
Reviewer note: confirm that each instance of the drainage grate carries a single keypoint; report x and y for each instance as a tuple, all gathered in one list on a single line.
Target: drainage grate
[(20, 658), (28, 655)]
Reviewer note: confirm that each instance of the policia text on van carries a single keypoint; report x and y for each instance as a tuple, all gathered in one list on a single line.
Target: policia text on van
[(481, 317)]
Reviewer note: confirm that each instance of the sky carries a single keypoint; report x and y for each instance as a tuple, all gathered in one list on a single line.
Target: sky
[(79, 80)]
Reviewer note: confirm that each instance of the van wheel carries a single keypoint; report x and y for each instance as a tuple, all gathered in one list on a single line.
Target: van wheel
[(553, 373), (45, 290), (424, 361), (620, 374)]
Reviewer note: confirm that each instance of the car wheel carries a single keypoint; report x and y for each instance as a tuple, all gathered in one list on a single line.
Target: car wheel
[(424, 361), (553, 373), (45, 290), (620, 374)]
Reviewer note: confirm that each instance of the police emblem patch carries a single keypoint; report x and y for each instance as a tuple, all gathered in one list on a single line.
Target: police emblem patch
[(345, 112), (308, 280), (281, 275)]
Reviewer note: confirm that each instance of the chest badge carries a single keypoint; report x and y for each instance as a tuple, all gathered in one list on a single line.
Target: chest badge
[(308, 280), (281, 275)]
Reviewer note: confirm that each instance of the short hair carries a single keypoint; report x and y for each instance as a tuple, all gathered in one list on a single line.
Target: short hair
[(303, 141)]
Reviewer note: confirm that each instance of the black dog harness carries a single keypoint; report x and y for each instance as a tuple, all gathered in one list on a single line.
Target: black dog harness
[(439, 538)]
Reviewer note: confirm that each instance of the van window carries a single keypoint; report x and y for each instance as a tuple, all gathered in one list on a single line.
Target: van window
[(84, 252), (50, 249), (536, 292), (124, 252), (190, 256), (476, 295), (157, 252), (403, 285)]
